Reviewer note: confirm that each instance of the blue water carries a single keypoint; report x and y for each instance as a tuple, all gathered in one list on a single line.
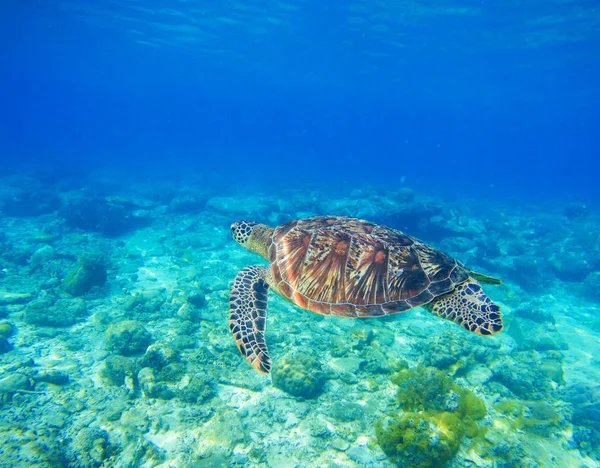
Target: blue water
[(134, 133), (484, 99)]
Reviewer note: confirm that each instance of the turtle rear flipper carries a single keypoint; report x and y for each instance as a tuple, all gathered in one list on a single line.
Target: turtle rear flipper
[(247, 314), (468, 306)]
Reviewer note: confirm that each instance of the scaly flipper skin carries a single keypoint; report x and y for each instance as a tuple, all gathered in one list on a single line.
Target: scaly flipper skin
[(468, 306), (247, 314)]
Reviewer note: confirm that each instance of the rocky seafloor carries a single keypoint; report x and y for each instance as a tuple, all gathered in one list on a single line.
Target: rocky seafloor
[(115, 348)]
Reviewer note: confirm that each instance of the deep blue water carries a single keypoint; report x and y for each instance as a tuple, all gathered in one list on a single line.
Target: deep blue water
[(488, 99)]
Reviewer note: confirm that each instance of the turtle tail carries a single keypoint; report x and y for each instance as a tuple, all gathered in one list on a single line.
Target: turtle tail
[(468, 306), (485, 279)]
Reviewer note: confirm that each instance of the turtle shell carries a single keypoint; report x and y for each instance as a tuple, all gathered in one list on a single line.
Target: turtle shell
[(353, 268)]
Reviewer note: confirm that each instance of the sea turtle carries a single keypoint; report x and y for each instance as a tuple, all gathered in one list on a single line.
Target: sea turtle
[(348, 267)]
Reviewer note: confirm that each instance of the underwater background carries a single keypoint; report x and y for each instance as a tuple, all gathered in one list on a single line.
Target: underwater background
[(133, 133)]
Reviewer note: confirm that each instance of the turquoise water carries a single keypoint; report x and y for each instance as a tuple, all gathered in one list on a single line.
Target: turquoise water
[(135, 133)]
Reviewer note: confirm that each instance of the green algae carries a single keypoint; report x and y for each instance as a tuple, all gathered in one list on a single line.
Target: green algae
[(422, 388), (534, 417), (436, 411), (420, 440), (510, 408), (470, 406)]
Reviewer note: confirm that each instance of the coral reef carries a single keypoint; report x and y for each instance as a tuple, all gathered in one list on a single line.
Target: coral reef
[(114, 347), (299, 375), (116, 368), (584, 399), (97, 214), (52, 310), (89, 448), (522, 375), (127, 337), (33, 201)]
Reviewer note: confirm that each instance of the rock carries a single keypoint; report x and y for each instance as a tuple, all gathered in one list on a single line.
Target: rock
[(479, 375), (531, 271), (360, 455), (347, 364), (376, 363), (6, 329), (90, 271), (5, 346), (575, 210), (538, 336), (531, 312), (199, 389), (183, 342), (571, 264), (348, 378), (147, 380), (197, 299), (189, 313), (280, 460), (55, 419), (136, 419), (458, 245), (41, 256), (340, 444), (232, 206), (553, 369), (159, 355), (7, 298), (521, 375), (117, 368), (127, 337), (405, 195), (318, 428), (591, 285), (114, 409), (581, 394), (51, 376), (346, 411), (184, 204), (15, 382)]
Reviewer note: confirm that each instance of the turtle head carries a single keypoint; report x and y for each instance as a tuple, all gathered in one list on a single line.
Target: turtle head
[(241, 231), (252, 236)]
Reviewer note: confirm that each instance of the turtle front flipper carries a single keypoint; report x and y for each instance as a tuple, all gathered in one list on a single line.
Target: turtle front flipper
[(468, 306), (247, 314)]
